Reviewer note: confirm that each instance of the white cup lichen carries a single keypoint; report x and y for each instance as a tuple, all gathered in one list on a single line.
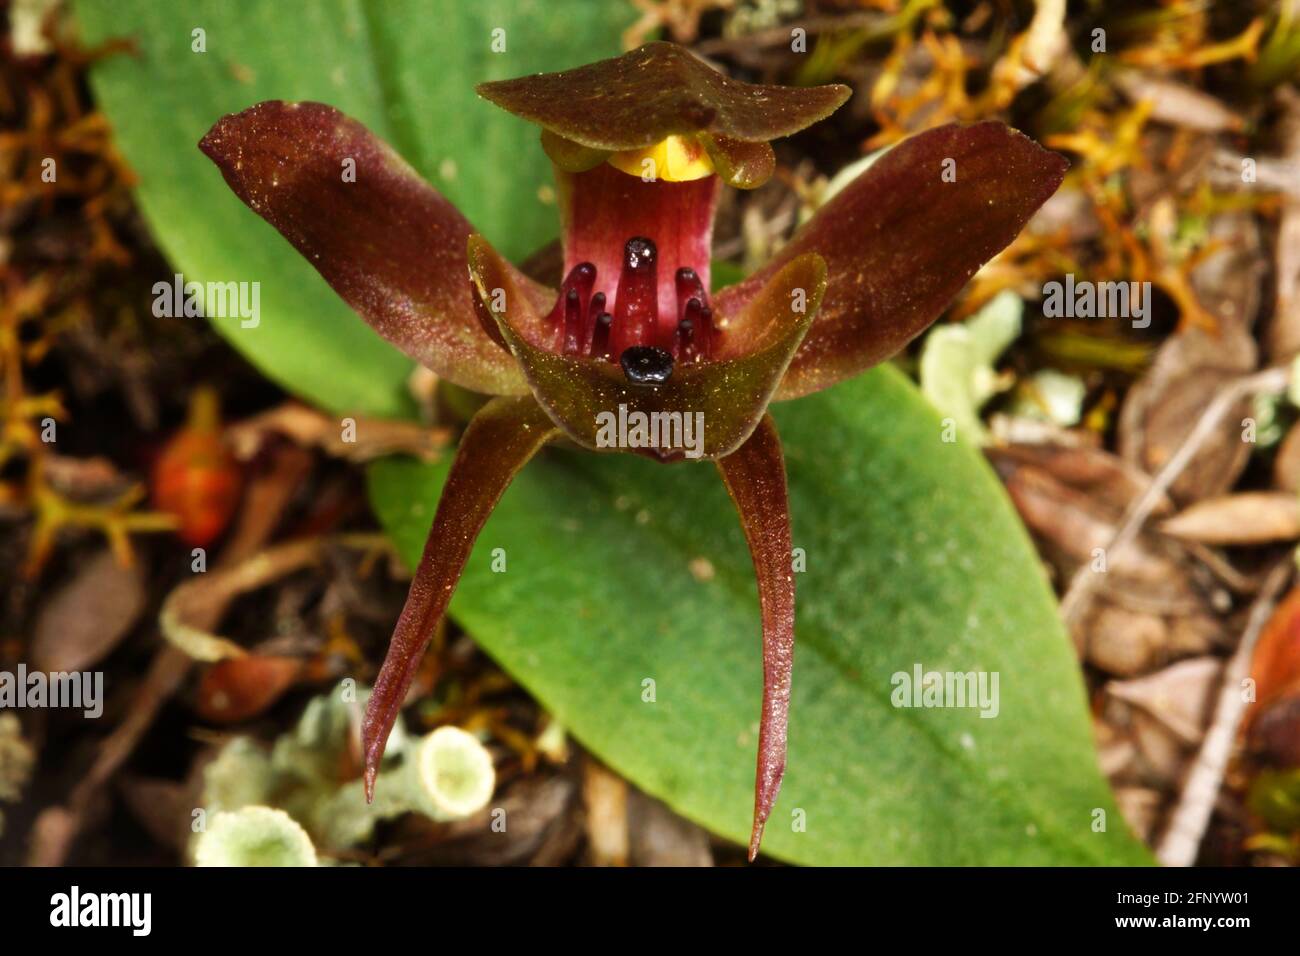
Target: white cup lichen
[(445, 775), (254, 836)]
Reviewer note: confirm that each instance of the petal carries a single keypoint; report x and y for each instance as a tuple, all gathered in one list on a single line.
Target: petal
[(660, 90), (900, 242), (570, 156), (755, 478), (386, 241), (500, 439), (738, 163), (731, 393)]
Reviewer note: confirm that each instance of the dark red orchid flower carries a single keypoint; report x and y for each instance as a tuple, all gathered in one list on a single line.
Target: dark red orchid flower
[(641, 145)]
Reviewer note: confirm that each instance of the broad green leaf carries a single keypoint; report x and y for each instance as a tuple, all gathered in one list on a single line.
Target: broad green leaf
[(405, 68), (914, 557)]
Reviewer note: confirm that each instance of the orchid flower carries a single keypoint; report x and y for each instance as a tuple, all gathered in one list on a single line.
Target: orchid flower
[(642, 145)]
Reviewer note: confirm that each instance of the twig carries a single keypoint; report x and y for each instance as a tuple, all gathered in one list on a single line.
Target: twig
[(1085, 579), (1182, 837), (870, 20), (193, 607), (1223, 569)]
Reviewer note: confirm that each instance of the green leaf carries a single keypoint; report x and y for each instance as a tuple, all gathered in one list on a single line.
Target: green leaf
[(405, 68), (914, 556)]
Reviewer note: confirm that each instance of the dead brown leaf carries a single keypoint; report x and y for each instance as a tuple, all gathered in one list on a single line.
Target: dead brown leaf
[(240, 688), (1179, 697), (1246, 518), (1177, 103), (84, 620), (604, 794), (1286, 466), (660, 837), (1163, 407), (357, 438)]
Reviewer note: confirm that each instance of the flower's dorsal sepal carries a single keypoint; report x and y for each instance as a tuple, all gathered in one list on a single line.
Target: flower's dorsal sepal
[(660, 90), (755, 478), (386, 241), (585, 395), (902, 239), (500, 439)]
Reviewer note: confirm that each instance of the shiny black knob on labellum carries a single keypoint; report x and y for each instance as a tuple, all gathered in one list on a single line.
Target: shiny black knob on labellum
[(646, 365)]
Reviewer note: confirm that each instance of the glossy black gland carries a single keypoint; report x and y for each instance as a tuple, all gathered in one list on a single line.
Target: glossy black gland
[(646, 365)]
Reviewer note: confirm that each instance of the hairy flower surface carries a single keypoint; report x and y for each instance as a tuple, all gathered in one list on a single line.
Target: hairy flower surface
[(641, 145)]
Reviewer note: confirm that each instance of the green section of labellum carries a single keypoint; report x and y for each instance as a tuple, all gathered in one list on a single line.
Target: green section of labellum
[(579, 392)]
